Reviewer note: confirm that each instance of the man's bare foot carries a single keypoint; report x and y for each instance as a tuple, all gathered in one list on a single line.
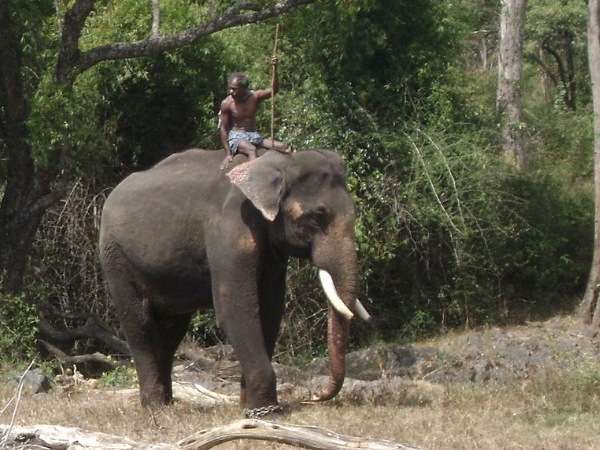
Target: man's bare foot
[(288, 149)]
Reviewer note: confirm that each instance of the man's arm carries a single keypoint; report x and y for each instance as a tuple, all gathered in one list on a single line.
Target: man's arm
[(225, 126), (224, 130), (264, 94)]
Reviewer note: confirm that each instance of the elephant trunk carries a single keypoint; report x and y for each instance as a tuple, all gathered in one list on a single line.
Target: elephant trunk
[(336, 257), (338, 328)]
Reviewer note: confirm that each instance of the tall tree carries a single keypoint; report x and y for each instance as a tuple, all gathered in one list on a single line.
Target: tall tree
[(510, 68), (32, 185), (555, 42), (590, 307)]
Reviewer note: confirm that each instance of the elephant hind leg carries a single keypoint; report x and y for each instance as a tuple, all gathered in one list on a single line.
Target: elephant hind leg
[(156, 349), (173, 332), (153, 339)]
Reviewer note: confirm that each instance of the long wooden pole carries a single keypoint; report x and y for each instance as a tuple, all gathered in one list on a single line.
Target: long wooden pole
[(273, 69)]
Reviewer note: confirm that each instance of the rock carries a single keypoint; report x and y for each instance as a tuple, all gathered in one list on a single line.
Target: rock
[(33, 380)]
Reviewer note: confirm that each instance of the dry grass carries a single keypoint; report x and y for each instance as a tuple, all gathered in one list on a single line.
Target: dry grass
[(461, 418), (556, 410)]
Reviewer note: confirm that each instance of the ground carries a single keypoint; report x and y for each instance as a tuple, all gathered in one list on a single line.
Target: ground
[(532, 386), (486, 355)]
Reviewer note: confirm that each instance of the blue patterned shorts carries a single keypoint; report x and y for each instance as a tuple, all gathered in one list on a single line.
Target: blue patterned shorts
[(235, 137)]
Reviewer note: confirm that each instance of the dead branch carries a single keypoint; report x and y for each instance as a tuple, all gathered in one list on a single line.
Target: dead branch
[(54, 437), (300, 436), (94, 328), (78, 359)]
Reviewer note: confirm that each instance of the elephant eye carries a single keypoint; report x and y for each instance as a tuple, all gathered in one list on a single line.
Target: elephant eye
[(317, 218)]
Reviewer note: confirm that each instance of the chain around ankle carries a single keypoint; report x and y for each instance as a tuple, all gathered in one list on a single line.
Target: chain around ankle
[(257, 413)]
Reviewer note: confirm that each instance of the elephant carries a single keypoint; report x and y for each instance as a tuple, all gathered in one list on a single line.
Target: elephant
[(183, 236)]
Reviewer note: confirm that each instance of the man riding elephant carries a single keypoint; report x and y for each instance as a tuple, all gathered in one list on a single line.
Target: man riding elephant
[(238, 118)]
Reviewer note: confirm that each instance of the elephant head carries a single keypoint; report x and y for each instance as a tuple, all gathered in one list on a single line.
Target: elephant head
[(304, 197)]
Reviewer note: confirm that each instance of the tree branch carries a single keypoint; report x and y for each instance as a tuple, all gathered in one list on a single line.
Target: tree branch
[(69, 52), (93, 328), (77, 359), (155, 18), (72, 61)]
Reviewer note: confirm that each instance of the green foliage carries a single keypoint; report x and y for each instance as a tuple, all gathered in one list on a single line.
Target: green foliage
[(386, 54), (555, 43), (167, 103), (304, 328), (204, 329), (18, 329), (549, 250), (121, 377), (67, 128), (562, 143), (449, 236)]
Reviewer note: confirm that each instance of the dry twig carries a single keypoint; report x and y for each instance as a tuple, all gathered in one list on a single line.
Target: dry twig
[(17, 399)]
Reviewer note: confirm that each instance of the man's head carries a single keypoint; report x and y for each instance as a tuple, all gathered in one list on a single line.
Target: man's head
[(239, 78), (238, 85)]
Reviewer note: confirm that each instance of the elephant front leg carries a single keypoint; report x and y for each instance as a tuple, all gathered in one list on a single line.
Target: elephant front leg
[(235, 267), (258, 385), (271, 301)]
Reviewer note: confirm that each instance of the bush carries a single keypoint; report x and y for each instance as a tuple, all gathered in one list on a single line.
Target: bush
[(449, 236), (18, 329)]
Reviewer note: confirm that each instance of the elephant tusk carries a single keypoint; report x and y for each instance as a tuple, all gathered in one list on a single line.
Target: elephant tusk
[(332, 295), (361, 311)]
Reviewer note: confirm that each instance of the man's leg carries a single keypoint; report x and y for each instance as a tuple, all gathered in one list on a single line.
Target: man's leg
[(247, 148), (272, 144)]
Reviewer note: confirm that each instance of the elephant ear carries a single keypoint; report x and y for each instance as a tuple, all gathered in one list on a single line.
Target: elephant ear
[(261, 180)]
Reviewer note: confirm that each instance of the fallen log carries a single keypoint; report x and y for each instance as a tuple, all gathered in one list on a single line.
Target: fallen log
[(65, 359), (300, 436), (52, 437)]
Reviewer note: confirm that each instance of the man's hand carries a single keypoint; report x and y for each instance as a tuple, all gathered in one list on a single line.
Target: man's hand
[(226, 162), (274, 61)]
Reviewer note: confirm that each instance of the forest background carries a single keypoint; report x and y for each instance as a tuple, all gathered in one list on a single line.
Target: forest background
[(450, 235)]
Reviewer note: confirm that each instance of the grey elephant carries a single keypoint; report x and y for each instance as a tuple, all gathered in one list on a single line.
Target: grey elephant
[(184, 235)]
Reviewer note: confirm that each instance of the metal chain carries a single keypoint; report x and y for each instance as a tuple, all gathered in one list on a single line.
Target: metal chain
[(257, 413)]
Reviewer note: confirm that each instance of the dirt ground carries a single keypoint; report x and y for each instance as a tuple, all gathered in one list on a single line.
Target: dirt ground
[(489, 355)]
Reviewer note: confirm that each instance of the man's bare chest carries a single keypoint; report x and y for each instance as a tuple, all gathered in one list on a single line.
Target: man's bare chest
[(244, 108)]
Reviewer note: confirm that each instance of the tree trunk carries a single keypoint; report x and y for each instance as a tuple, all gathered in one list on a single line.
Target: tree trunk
[(25, 194), (590, 307), (510, 66)]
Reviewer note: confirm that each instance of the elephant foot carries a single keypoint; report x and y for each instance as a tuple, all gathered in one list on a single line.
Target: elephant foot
[(257, 413), (156, 399)]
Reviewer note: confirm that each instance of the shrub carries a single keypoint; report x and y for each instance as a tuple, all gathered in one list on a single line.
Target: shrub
[(18, 329)]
